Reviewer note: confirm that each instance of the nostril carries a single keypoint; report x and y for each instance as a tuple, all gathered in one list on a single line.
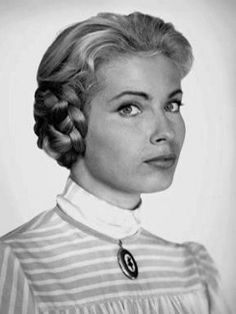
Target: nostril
[(163, 130), (163, 136), (160, 139)]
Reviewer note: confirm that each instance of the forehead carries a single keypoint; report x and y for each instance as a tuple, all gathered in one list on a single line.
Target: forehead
[(155, 74)]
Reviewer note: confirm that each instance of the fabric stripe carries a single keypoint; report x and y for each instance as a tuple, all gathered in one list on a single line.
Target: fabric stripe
[(67, 264), (45, 238), (50, 233), (7, 282), (4, 272), (25, 303), (93, 287), (121, 294), (46, 248), (12, 299), (88, 253), (54, 267), (147, 272), (105, 280), (45, 229), (89, 243)]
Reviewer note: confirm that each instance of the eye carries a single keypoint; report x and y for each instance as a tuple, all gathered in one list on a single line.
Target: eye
[(129, 110), (173, 106)]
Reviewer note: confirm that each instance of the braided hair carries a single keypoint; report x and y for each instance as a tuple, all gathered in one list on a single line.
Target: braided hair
[(67, 73)]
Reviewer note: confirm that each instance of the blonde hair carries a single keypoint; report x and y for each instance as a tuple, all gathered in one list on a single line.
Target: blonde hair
[(67, 73)]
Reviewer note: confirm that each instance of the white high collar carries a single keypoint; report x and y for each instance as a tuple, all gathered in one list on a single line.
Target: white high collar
[(97, 214)]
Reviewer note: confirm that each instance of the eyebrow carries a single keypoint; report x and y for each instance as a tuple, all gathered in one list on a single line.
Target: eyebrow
[(143, 94), (134, 93), (175, 92)]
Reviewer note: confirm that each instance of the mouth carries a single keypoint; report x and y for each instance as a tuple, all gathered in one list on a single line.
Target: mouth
[(162, 161)]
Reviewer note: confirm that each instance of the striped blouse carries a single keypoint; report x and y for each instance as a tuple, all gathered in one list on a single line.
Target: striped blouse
[(56, 265)]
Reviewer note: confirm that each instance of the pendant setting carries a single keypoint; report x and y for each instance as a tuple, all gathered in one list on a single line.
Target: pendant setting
[(127, 263)]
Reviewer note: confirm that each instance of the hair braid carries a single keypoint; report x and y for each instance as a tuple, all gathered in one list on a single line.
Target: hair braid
[(60, 125)]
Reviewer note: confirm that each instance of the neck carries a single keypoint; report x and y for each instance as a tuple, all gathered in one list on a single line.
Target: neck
[(121, 199)]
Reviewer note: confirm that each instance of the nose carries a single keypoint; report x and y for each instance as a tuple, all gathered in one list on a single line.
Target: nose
[(163, 129)]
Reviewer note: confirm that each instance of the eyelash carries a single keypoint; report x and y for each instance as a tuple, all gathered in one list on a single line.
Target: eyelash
[(129, 105), (178, 103)]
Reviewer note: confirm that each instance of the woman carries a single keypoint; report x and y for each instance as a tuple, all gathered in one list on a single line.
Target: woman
[(107, 107)]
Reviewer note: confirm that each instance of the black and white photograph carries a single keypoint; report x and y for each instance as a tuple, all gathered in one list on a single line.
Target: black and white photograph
[(117, 157)]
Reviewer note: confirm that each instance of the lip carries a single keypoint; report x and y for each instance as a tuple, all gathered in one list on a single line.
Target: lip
[(162, 161)]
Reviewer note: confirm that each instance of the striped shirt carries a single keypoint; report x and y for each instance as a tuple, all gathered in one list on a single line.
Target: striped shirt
[(55, 264)]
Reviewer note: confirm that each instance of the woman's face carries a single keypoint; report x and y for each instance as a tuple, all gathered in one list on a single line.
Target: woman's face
[(135, 129)]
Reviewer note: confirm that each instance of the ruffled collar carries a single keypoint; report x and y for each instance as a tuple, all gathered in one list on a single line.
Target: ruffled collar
[(98, 214)]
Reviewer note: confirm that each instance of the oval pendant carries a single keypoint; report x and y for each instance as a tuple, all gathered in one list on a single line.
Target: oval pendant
[(127, 263)]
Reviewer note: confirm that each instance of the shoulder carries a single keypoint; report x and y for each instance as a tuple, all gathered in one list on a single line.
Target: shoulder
[(193, 251), (210, 277), (204, 263), (152, 238), (200, 253), (44, 236), (33, 224), (34, 233), (26, 242), (19, 236)]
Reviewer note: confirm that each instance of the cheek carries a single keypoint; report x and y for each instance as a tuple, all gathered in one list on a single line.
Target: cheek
[(109, 145), (180, 131)]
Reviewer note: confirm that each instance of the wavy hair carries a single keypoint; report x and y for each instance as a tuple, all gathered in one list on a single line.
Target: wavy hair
[(67, 73)]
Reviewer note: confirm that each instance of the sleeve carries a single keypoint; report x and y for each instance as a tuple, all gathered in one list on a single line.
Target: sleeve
[(16, 296), (211, 279)]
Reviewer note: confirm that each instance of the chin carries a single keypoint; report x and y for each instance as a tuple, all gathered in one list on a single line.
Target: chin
[(152, 186)]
